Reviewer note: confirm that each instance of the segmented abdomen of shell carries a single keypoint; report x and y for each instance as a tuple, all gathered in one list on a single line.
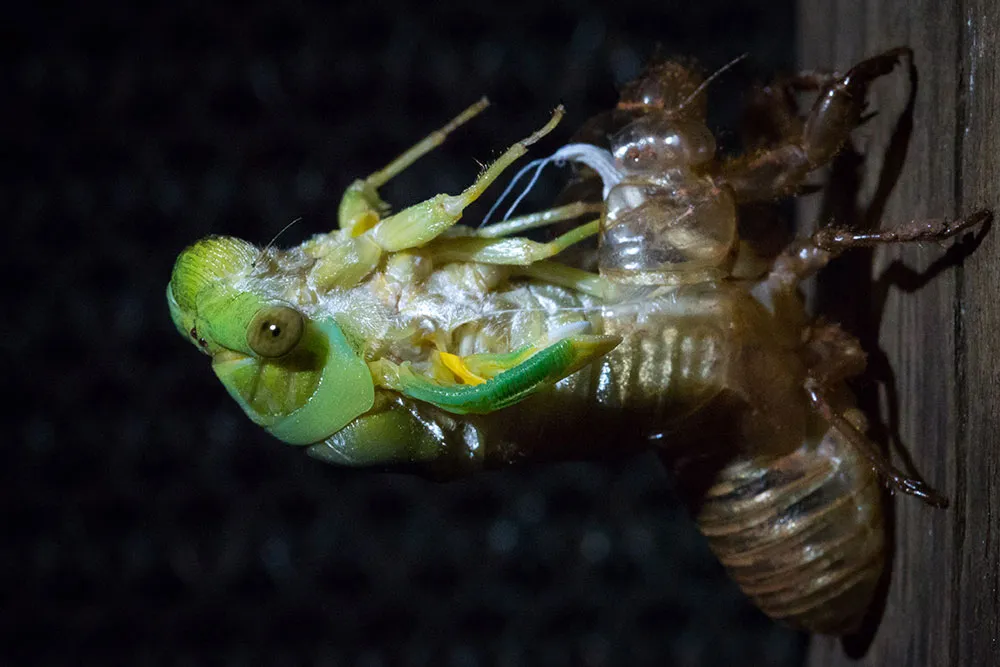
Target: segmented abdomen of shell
[(802, 534)]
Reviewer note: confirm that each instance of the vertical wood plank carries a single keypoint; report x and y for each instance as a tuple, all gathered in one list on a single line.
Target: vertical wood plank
[(976, 639), (942, 340)]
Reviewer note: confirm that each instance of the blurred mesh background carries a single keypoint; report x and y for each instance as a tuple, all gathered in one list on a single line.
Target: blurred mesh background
[(145, 520)]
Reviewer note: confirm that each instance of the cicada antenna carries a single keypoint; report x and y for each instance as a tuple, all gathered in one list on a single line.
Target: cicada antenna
[(270, 243), (715, 75)]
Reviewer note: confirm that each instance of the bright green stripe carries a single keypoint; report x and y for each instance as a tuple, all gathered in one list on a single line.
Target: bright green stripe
[(503, 390)]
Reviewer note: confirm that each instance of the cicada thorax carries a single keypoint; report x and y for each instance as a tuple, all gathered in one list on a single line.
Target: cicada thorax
[(666, 222)]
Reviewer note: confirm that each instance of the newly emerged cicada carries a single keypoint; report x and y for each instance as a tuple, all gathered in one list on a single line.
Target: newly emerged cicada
[(407, 339)]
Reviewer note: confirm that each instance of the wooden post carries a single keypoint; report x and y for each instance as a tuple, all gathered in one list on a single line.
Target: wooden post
[(942, 339)]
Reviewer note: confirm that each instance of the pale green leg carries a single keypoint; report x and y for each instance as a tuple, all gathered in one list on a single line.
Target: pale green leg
[(569, 277), (540, 219), (514, 251), (426, 145), (421, 223), (361, 207)]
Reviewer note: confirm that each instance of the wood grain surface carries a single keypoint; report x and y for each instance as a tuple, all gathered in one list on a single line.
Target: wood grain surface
[(932, 150)]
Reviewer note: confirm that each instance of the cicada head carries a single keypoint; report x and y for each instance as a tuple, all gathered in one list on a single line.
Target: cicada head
[(297, 376), (670, 86)]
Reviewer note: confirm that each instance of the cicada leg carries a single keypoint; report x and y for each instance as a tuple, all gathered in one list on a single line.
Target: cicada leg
[(570, 277), (361, 207), (804, 258), (423, 222), (896, 478), (550, 216), (781, 170), (509, 251), (772, 113), (838, 240)]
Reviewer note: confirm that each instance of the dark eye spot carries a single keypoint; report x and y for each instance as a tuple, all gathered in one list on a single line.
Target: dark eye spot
[(202, 342), (194, 333)]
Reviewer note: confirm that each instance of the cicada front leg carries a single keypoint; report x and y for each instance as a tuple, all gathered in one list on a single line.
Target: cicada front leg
[(772, 114), (421, 223), (361, 208), (344, 259), (781, 171)]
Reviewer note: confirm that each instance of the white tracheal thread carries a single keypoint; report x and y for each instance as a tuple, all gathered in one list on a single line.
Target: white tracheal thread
[(598, 159)]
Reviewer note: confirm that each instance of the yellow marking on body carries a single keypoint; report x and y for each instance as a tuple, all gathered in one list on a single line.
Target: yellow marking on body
[(456, 365), (367, 221)]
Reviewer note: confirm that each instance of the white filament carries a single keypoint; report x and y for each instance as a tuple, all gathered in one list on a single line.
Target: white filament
[(594, 157), (534, 164)]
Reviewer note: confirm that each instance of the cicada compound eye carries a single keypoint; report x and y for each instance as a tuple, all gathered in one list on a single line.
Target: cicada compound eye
[(275, 331)]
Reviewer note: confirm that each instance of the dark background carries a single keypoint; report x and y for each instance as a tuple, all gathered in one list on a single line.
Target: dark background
[(145, 520)]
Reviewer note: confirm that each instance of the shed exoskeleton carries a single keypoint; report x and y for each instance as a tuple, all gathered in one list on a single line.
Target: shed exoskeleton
[(407, 339)]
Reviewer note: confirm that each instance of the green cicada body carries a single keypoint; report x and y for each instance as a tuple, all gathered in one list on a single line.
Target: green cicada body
[(408, 339)]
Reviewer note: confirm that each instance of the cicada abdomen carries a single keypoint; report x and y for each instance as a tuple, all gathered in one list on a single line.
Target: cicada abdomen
[(802, 534)]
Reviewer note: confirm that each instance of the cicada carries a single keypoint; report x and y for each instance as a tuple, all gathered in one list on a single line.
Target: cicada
[(404, 338)]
